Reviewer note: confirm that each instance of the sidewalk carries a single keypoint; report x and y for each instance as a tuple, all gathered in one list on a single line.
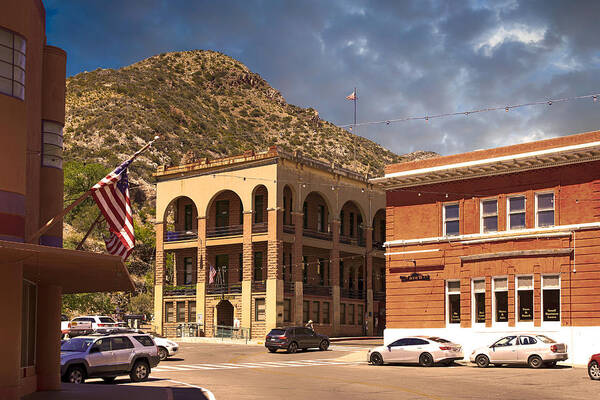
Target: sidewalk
[(120, 392)]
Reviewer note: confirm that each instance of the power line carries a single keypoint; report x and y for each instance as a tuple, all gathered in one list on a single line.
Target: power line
[(506, 108)]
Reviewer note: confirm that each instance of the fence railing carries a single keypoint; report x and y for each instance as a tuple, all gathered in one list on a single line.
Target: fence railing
[(260, 227), (259, 286), (175, 236), (352, 293), (218, 288), (231, 230), (377, 245), (184, 290), (229, 332), (317, 234), (317, 290)]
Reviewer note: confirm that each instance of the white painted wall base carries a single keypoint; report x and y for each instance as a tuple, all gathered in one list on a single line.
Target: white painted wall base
[(582, 341)]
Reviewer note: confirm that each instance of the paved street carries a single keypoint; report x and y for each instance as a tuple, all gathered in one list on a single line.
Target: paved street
[(250, 372)]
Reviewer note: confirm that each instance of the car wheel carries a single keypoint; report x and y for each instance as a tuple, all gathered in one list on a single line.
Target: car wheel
[(324, 345), (482, 361), (109, 379), (376, 359), (292, 348), (425, 360), (140, 371), (272, 350), (535, 362), (163, 353), (594, 371), (76, 375)]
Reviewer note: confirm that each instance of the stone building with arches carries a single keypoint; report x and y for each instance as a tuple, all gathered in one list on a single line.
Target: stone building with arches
[(290, 239)]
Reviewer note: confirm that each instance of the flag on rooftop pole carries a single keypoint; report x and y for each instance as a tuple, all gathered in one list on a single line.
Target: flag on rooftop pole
[(211, 275), (351, 96)]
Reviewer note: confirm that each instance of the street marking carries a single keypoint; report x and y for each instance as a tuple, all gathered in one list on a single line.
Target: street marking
[(260, 364), (174, 368)]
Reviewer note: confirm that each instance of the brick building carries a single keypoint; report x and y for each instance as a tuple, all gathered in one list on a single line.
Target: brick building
[(290, 239), (508, 238), (36, 272)]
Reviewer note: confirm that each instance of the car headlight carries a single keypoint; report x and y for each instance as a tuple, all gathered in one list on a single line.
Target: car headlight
[(172, 344)]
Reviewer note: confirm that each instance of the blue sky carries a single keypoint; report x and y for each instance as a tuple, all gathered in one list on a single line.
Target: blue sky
[(407, 58)]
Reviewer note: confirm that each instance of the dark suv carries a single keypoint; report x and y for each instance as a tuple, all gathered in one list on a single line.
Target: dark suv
[(295, 338)]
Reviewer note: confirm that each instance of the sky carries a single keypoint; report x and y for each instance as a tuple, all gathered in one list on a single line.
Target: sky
[(405, 57)]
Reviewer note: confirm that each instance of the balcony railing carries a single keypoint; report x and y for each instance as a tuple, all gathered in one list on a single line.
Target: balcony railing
[(184, 290), (289, 228), (231, 230), (352, 293), (218, 288), (260, 227), (259, 286), (317, 234), (288, 287), (377, 245), (176, 236), (379, 296), (317, 290)]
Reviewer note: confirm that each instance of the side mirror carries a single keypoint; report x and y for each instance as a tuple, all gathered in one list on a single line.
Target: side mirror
[(389, 347), (95, 350)]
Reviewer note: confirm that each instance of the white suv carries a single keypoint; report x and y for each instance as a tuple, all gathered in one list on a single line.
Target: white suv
[(98, 322)]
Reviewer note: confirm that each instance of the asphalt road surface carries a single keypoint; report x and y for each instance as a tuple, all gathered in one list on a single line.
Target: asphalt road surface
[(250, 372)]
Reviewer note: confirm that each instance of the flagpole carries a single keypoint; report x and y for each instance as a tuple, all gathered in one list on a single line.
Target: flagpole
[(96, 221), (74, 204), (354, 127)]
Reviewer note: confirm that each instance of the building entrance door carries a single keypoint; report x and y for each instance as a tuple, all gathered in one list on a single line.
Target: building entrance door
[(224, 313)]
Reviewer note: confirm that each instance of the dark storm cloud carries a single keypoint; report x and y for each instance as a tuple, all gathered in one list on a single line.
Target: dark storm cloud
[(407, 58)]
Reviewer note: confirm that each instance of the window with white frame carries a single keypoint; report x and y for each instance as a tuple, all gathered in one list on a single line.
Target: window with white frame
[(525, 298), (501, 299), (551, 298), (489, 215), (453, 301), (544, 209), (479, 300), (516, 212), (451, 220), (12, 63)]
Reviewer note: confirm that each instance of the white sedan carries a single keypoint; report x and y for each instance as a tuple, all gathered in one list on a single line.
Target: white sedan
[(166, 348), (424, 350), (532, 349)]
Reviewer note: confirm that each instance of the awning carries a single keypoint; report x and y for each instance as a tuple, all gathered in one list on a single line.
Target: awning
[(73, 270)]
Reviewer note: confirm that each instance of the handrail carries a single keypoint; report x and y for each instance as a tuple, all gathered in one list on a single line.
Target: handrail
[(224, 288), (317, 234), (175, 236), (230, 230), (225, 331)]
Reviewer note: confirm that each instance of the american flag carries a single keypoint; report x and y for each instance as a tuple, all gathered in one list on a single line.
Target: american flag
[(351, 96), (112, 197), (211, 275)]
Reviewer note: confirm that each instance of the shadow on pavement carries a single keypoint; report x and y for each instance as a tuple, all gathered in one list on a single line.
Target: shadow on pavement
[(172, 359)]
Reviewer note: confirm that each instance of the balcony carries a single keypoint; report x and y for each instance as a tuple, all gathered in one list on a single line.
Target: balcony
[(313, 233), (222, 231), (177, 236), (226, 288), (184, 290), (289, 229), (260, 227), (317, 290), (379, 296), (259, 286), (352, 293)]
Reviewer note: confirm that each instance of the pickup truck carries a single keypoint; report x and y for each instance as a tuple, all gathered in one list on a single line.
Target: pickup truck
[(78, 328)]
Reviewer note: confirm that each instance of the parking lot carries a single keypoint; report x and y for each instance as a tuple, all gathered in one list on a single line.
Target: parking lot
[(248, 371)]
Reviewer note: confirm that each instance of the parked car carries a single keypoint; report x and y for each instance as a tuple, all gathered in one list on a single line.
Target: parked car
[(294, 338), (534, 350), (98, 321), (166, 348), (424, 350), (108, 356), (594, 367), (64, 322)]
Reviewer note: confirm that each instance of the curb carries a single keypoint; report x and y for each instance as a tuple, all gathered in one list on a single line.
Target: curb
[(343, 339)]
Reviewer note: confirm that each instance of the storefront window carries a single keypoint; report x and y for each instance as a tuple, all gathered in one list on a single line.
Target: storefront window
[(453, 302), (525, 298), (479, 300), (551, 298), (501, 299)]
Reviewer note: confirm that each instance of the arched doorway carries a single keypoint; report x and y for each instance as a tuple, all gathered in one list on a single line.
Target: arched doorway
[(224, 313)]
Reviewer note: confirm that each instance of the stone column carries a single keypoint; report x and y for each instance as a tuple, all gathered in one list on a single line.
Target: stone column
[(274, 300), (334, 255), (248, 259), (201, 272), (297, 268), (159, 277), (10, 330), (369, 279), (47, 357)]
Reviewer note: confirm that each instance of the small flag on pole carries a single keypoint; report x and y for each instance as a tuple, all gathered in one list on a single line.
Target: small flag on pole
[(112, 197), (351, 96), (211, 275)]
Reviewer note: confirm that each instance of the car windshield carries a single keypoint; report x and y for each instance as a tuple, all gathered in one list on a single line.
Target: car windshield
[(107, 320), (277, 332), (76, 344), (439, 340), (545, 339)]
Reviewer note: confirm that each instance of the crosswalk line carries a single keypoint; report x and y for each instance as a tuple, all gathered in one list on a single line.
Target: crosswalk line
[(170, 368), (260, 364)]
